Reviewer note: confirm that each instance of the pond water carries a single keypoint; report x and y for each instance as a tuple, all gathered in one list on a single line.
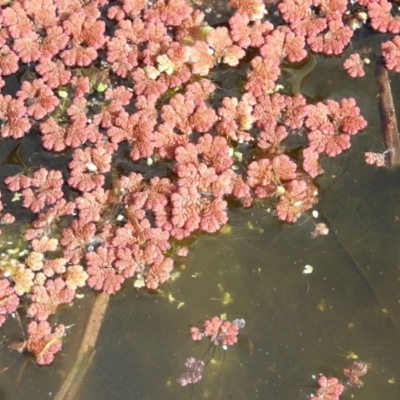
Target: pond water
[(297, 325)]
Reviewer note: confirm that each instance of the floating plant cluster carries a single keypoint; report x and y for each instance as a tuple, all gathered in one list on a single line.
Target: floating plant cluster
[(332, 388), (102, 82), (224, 333), (219, 332)]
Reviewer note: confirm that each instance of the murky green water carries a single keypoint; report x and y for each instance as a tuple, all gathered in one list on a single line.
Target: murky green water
[(297, 325)]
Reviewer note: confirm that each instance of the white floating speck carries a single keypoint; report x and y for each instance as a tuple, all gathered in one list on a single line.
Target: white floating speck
[(308, 269), (139, 283), (91, 167)]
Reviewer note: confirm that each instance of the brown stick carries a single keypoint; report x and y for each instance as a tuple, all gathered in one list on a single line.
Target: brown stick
[(388, 117), (71, 385)]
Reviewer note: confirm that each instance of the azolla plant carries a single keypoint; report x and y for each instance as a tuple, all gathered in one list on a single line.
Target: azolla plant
[(332, 388), (219, 332), (123, 92)]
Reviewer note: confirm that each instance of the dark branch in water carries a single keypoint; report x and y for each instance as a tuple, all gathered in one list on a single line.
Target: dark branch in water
[(388, 117), (72, 383)]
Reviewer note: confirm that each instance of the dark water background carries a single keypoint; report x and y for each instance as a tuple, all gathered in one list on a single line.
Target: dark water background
[(297, 325)]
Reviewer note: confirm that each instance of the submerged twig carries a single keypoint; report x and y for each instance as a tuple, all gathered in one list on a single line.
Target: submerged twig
[(4, 369), (388, 117), (72, 383)]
